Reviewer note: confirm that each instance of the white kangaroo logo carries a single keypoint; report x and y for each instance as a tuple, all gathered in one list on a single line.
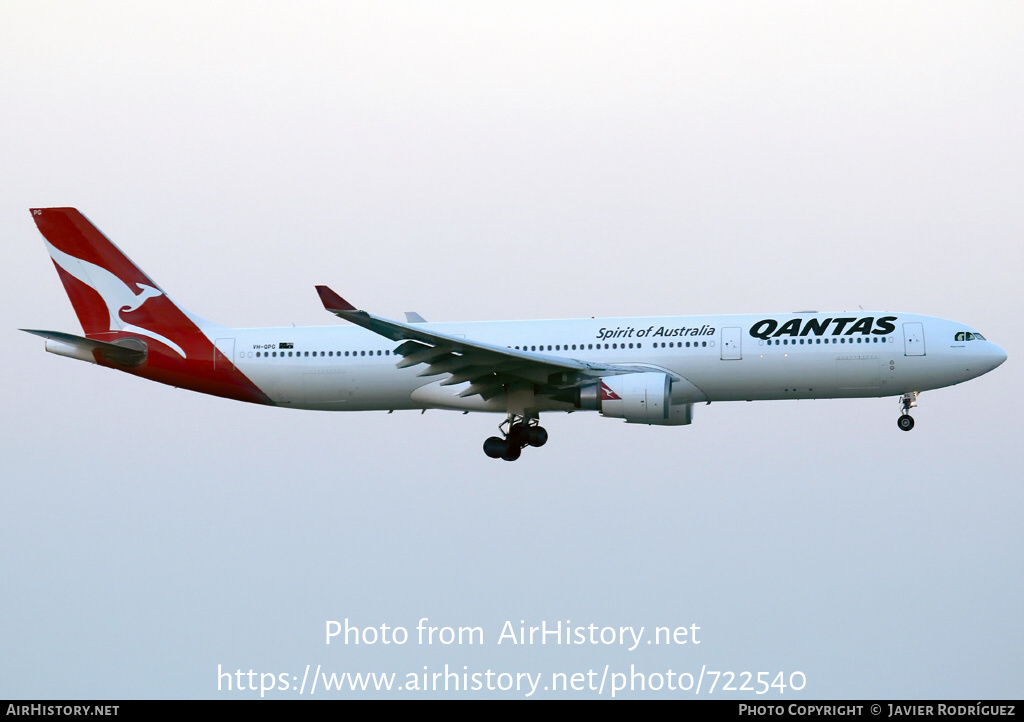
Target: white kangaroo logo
[(117, 295), (148, 292)]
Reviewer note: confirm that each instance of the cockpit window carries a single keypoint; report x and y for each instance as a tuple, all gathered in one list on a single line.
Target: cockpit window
[(968, 336)]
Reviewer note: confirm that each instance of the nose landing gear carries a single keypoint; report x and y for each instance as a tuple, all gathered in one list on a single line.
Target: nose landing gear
[(907, 402), (517, 432)]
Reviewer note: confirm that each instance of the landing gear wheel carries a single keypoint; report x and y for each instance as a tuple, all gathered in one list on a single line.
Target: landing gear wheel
[(495, 447), (905, 422), (519, 435), (517, 432), (512, 452)]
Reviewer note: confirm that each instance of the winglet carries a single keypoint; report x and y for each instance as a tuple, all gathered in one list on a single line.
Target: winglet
[(332, 301)]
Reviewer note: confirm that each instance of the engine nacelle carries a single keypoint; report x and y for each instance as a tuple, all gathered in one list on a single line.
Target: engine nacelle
[(642, 398), (637, 398)]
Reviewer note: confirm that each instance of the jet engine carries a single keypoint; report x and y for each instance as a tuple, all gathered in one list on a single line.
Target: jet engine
[(641, 398)]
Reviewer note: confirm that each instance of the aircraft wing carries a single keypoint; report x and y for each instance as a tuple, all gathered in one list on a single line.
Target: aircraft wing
[(486, 367)]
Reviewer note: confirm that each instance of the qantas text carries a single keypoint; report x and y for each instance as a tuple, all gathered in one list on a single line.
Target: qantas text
[(824, 326)]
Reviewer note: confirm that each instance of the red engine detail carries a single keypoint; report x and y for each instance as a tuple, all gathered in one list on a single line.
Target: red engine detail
[(642, 398)]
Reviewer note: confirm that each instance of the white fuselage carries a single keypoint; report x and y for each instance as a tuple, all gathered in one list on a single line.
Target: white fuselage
[(709, 358)]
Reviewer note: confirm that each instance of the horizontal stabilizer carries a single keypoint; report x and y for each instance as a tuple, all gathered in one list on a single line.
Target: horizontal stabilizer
[(127, 352)]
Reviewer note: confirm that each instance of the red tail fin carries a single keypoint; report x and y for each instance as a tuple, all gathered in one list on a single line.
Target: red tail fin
[(109, 293), (115, 300)]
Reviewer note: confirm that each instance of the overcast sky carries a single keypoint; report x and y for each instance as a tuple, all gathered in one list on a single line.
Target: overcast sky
[(476, 161)]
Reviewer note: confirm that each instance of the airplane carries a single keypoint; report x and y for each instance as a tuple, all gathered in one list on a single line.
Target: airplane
[(648, 370)]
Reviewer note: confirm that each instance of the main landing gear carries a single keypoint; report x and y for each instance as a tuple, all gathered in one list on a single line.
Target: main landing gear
[(907, 402), (517, 433)]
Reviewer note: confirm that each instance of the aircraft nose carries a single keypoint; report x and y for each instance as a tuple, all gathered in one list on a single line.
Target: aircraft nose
[(996, 355)]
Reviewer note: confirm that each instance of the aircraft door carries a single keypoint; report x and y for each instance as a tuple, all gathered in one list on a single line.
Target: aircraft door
[(913, 339), (732, 338), (224, 354)]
